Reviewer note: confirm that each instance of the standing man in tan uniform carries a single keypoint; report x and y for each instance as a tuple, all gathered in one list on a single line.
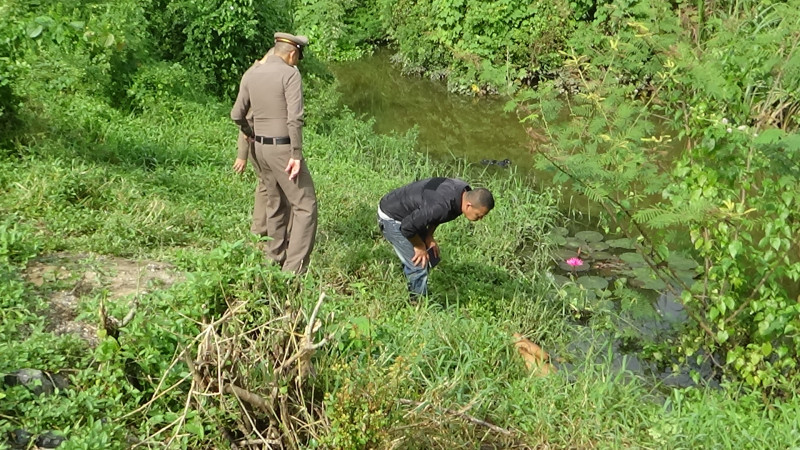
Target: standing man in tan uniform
[(267, 194), (273, 93)]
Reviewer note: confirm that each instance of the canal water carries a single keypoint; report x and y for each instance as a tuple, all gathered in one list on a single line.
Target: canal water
[(471, 128), (478, 130)]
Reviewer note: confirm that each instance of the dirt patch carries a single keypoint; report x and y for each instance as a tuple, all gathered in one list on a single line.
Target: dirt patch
[(68, 279)]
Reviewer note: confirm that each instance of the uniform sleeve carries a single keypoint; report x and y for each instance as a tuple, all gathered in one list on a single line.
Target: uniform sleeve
[(241, 108), (242, 147), (294, 108)]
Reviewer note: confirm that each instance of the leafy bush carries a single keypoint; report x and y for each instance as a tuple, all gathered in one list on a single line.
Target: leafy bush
[(165, 84), (731, 105), (17, 244), (221, 38), (477, 46), (340, 30)]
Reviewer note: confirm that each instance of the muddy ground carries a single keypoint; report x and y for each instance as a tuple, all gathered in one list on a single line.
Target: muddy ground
[(69, 279)]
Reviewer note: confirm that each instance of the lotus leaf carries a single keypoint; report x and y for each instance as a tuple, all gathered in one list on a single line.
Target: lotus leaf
[(686, 276), (621, 243), (642, 273), (598, 246), (601, 256), (564, 254), (589, 236), (573, 242), (679, 262), (656, 284), (633, 259), (646, 279), (591, 282), (561, 231), (560, 280)]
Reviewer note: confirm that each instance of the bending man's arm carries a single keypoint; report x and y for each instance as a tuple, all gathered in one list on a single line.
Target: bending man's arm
[(418, 225)]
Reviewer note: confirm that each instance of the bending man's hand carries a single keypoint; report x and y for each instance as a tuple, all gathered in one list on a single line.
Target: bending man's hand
[(420, 257), (293, 168), (239, 165)]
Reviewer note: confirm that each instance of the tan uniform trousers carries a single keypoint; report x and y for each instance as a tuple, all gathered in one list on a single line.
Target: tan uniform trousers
[(284, 210), (268, 197)]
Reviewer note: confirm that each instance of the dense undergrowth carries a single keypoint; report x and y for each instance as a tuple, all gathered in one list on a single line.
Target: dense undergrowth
[(119, 149)]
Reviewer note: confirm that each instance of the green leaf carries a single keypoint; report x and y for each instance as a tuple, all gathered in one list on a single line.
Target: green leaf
[(195, 427), (633, 259), (722, 336), (592, 282), (589, 236), (361, 325), (34, 32), (769, 136), (621, 243), (734, 248), (681, 263)]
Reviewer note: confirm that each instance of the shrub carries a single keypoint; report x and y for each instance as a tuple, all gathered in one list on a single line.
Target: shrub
[(221, 38)]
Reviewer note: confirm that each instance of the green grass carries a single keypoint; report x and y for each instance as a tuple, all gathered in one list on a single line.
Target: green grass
[(157, 184)]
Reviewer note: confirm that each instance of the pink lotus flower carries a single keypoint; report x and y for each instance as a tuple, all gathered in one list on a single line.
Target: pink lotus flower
[(574, 262)]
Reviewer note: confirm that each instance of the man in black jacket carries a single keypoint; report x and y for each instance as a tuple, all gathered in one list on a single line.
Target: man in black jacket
[(408, 217)]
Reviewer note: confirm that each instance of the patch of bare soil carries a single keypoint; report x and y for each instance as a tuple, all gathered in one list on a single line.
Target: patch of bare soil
[(68, 279)]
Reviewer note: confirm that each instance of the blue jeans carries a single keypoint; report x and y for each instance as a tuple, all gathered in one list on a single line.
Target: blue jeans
[(417, 276)]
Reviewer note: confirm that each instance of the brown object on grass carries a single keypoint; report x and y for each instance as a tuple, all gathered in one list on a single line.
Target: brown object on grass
[(536, 359)]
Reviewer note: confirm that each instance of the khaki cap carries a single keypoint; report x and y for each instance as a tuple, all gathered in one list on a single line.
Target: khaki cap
[(298, 41)]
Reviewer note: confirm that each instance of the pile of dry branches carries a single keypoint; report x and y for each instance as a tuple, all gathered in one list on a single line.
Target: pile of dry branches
[(249, 378)]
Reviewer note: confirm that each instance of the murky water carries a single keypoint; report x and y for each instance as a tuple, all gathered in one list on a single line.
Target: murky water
[(475, 129)]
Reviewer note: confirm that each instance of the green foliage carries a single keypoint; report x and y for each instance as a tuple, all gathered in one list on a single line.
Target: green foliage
[(497, 43), (637, 62), (11, 32), (339, 30), (16, 245), (166, 84), (220, 38), (742, 418), (478, 46), (95, 48)]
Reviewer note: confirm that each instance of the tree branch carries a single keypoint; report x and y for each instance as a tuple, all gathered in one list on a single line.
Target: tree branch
[(460, 415)]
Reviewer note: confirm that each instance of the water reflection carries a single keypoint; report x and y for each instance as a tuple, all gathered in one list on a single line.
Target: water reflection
[(475, 129)]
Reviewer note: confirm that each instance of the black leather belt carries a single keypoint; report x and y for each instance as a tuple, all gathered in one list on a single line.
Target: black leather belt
[(270, 140)]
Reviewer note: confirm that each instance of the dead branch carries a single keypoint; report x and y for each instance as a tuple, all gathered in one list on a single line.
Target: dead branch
[(222, 357), (249, 442), (111, 324), (249, 397), (306, 347), (460, 415)]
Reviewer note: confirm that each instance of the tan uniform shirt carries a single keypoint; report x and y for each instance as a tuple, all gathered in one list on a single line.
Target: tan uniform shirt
[(273, 92)]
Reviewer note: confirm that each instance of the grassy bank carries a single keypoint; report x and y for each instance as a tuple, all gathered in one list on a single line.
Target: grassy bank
[(157, 184), (90, 182)]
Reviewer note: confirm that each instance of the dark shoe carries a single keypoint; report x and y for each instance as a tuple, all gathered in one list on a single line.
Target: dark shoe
[(414, 298)]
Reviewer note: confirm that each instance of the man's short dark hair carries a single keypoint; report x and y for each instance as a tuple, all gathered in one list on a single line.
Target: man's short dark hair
[(482, 198), (284, 48)]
